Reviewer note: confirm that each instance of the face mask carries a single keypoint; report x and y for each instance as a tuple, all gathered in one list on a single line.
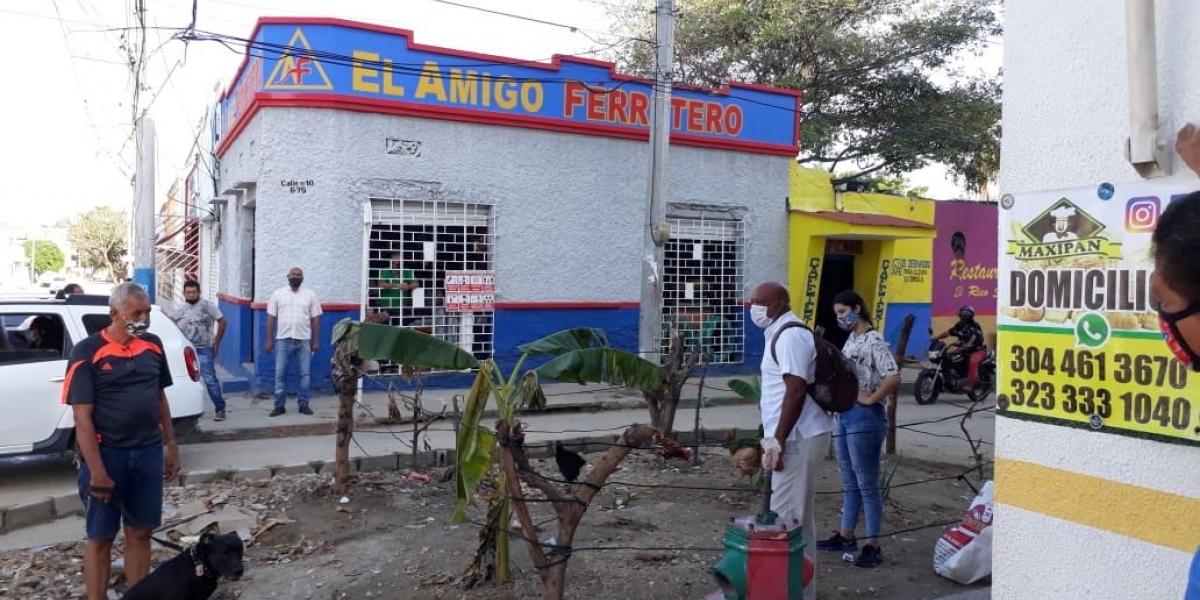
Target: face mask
[(1168, 324), (137, 328), (758, 314), (847, 322), (295, 281)]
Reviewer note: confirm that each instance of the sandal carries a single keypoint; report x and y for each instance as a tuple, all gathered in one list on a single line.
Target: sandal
[(220, 416)]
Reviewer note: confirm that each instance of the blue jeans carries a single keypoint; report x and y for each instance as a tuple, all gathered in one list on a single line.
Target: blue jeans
[(137, 495), (287, 351), (208, 374), (859, 434)]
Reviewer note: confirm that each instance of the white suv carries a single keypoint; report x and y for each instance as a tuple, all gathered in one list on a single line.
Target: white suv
[(34, 418)]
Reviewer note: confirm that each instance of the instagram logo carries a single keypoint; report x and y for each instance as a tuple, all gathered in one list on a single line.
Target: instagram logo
[(1141, 214)]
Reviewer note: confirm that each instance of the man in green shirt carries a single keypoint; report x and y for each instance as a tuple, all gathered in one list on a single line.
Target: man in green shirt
[(395, 283)]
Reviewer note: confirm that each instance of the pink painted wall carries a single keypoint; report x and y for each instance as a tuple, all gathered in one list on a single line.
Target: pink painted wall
[(965, 273)]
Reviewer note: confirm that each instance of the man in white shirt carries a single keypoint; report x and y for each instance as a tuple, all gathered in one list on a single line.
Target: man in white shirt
[(796, 430), (293, 326)]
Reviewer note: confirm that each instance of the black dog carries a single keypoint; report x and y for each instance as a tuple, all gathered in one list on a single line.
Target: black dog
[(193, 575)]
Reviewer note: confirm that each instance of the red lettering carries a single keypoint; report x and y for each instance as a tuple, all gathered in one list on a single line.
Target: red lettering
[(733, 120), (695, 121), (639, 110), (677, 105), (712, 122), (595, 105), (617, 107), (575, 97)]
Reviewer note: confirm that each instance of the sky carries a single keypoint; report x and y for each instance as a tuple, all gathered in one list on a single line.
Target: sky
[(67, 140)]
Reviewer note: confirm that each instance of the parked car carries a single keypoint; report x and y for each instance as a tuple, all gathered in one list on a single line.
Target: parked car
[(35, 419)]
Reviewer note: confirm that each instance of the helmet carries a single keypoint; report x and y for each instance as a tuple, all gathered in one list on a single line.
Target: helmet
[(966, 312)]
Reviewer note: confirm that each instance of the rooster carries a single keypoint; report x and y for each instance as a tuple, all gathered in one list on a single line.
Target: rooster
[(746, 454), (669, 448)]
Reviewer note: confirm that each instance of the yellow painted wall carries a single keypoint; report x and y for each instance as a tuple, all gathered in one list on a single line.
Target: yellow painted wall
[(811, 191)]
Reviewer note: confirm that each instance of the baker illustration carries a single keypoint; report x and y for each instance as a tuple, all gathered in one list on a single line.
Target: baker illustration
[(1062, 223)]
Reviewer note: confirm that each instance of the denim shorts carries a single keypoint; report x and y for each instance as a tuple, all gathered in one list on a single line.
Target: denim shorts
[(138, 495)]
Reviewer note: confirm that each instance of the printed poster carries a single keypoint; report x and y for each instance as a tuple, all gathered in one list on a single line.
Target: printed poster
[(470, 291), (1080, 343)]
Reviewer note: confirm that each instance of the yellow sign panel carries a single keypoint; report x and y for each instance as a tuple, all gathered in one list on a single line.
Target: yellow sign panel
[(1079, 341)]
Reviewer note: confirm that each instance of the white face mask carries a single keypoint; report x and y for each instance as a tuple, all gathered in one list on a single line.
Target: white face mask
[(758, 314)]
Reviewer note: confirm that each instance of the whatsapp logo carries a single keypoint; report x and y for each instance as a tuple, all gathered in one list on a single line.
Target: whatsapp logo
[(1092, 330)]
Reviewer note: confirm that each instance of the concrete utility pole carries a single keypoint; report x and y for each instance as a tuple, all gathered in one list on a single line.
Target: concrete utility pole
[(143, 206), (657, 232)]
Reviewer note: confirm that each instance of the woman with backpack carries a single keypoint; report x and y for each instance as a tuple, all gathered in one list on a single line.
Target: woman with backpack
[(859, 432)]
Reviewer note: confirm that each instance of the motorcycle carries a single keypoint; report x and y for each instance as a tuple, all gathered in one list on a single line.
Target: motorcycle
[(947, 373)]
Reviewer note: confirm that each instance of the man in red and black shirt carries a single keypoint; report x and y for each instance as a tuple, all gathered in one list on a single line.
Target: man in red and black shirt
[(114, 384)]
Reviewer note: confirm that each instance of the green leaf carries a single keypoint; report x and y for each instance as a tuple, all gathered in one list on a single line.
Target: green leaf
[(346, 327), (411, 348), (565, 341), (474, 447), (750, 390), (607, 365), (532, 395)]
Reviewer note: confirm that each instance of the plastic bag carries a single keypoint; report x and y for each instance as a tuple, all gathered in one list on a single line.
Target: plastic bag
[(964, 554)]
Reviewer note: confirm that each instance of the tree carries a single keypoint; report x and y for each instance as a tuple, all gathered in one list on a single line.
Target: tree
[(44, 255), (579, 355), (882, 89), (100, 237)]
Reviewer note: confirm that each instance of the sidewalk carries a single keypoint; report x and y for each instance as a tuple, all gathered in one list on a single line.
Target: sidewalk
[(252, 445)]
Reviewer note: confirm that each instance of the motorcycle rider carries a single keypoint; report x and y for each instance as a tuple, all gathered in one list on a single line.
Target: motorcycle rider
[(970, 342)]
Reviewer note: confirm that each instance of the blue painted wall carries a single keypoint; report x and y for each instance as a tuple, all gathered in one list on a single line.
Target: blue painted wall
[(918, 340), (264, 364), (235, 346), (514, 327)]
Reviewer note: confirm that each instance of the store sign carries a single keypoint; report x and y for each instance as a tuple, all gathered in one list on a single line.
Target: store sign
[(470, 291), (964, 258), (327, 61), (843, 247), (1079, 341)]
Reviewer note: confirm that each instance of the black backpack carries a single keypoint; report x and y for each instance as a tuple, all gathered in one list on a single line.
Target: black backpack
[(836, 385)]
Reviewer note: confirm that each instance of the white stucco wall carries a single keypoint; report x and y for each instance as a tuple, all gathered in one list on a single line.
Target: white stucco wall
[(569, 208), (1065, 123)]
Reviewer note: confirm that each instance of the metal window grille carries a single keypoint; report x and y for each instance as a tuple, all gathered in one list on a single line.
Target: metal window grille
[(703, 285), (211, 261), (427, 241), (177, 255)]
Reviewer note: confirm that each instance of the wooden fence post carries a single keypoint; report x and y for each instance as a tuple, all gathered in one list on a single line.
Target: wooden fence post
[(901, 347)]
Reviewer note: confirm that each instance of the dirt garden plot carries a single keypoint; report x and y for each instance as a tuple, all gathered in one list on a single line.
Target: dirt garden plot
[(392, 539)]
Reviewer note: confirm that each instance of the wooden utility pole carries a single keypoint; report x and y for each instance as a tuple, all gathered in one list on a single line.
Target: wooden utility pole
[(901, 347)]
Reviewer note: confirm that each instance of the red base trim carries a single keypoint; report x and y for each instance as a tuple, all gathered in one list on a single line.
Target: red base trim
[(263, 305)]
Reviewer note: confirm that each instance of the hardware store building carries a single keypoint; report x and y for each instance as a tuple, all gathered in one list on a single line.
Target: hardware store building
[(513, 191)]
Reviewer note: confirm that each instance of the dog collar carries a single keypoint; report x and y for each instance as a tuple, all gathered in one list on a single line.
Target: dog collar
[(201, 569)]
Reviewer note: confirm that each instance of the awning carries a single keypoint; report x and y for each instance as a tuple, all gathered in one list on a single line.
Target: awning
[(864, 226)]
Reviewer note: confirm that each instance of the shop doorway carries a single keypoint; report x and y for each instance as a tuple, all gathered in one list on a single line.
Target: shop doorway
[(446, 249), (837, 275)]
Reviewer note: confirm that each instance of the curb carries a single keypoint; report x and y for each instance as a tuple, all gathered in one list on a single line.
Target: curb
[(51, 509), (329, 427)]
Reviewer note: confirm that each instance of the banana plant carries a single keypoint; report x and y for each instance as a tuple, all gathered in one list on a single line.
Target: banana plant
[(579, 355)]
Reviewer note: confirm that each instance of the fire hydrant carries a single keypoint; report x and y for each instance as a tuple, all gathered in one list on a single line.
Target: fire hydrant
[(764, 558)]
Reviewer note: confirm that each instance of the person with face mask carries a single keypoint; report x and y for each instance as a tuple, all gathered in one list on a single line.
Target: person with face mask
[(396, 285), (795, 429), (115, 383), (195, 319), (294, 327), (859, 432), (1175, 283), (970, 342)]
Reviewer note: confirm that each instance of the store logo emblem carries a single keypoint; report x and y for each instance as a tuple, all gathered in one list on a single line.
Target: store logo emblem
[(1141, 214), (298, 68)]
